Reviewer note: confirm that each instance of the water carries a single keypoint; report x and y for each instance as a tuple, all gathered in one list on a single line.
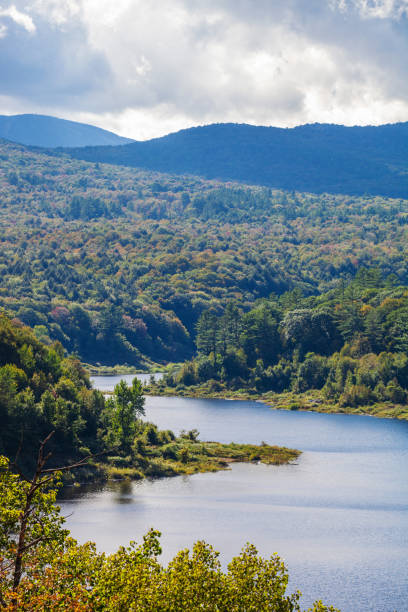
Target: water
[(107, 383), (339, 516)]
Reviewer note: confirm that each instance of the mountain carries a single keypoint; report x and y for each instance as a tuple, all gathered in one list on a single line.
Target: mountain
[(44, 131), (317, 158)]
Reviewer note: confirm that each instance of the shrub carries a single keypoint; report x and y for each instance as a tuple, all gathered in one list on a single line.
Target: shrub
[(152, 435), (184, 455), (170, 452), (395, 393), (356, 395)]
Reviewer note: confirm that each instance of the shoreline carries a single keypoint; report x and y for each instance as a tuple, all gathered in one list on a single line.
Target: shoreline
[(302, 402)]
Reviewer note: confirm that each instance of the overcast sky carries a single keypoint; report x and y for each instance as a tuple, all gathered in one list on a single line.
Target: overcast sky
[(143, 68)]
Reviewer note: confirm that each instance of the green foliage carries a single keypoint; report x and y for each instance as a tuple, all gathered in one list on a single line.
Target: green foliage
[(184, 455), (122, 410), (119, 264), (152, 435), (30, 525), (41, 391), (60, 574), (348, 341)]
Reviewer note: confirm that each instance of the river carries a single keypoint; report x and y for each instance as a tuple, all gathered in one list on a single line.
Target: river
[(338, 517)]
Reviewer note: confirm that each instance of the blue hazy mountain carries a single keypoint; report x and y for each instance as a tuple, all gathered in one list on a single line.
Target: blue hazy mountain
[(315, 157), (44, 131)]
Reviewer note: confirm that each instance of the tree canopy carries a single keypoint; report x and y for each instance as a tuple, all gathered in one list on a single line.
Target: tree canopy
[(118, 264)]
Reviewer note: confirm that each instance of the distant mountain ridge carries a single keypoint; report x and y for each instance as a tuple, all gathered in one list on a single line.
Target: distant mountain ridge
[(45, 131), (315, 157)]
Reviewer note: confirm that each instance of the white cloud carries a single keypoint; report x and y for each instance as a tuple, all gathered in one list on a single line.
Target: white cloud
[(146, 68), (56, 11), (22, 19), (373, 9)]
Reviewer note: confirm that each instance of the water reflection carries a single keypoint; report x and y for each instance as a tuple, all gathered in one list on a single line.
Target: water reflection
[(124, 493)]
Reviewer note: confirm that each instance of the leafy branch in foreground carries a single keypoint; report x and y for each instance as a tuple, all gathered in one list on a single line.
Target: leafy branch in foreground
[(42, 568), (30, 522)]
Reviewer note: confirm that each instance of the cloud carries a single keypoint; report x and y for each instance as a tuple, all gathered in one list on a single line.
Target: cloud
[(49, 64), (146, 68), (22, 19)]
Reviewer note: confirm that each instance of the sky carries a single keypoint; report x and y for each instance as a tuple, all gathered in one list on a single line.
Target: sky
[(144, 68)]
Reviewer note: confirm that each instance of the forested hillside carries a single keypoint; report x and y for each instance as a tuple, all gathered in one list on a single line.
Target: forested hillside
[(347, 348), (317, 158), (118, 264)]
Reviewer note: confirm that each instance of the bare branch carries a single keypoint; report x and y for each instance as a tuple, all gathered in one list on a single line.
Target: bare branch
[(73, 465), (20, 446)]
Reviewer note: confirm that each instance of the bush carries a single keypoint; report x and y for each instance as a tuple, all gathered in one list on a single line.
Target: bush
[(254, 457), (139, 447), (119, 461), (190, 435), (152, 435), (184, 455), (214, 385), (205, 369), (356, 395), (294, 406), (170, 452), (395, 393), (188, 374), (165, 436)]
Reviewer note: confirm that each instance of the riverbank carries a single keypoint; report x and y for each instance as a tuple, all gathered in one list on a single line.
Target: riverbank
[(309, 401), (117, 370)]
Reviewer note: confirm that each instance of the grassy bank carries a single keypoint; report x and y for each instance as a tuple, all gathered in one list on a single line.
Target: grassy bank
[(158, 454), (310, 400)]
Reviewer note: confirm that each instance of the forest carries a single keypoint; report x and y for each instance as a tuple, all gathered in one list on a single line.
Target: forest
[(118, 264), (346, 348)]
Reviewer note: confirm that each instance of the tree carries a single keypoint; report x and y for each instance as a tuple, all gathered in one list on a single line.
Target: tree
[(349, 318), (310, 331), (30, 524), (260, 338), (123, 409), (312, 373), (208, 334)]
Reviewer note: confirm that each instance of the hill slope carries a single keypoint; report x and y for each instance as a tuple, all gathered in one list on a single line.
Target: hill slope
[(316, 158), (44, 131), (118, 263)]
